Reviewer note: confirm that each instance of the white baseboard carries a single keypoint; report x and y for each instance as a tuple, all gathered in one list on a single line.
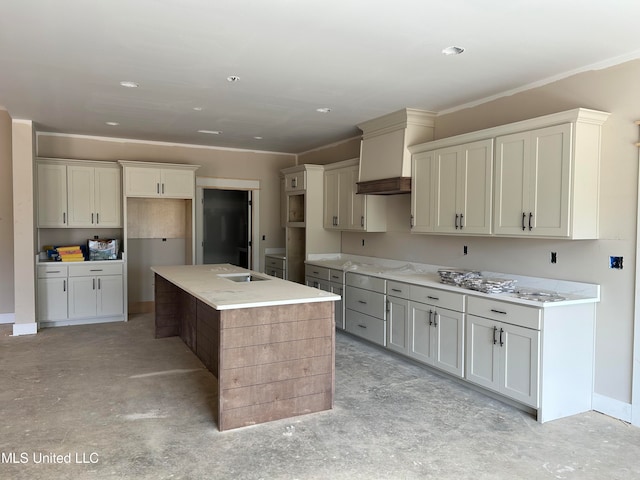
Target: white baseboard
[(7, 318), (25, 329), (612, 407)]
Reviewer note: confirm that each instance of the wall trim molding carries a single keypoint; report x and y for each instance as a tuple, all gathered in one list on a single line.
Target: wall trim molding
[(7, 318), (612, 407), (25, 329), (150, 142), (334, 144)]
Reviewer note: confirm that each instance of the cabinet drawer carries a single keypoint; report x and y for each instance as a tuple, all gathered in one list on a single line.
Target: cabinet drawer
[(439, 298), (90, 270), (274, 262), (398, 289), (521, 315), (52, 271), (336, 276), (322, 273), (316, 283), (367, 327), (365, 301), (275, 272), (365, 281)]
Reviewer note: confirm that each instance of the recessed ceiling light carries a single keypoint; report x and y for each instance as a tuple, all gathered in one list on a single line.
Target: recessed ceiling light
[(453, 50), (211, 132), (258, 138), (197, 109), (323, 110), (129, 84), (112, 124), (233, 78)]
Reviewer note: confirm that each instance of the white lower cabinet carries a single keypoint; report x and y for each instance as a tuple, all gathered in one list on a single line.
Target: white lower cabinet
[(365, 307), (398, 324), (52, 292), (502, 356), (329, 280), (80, 292)]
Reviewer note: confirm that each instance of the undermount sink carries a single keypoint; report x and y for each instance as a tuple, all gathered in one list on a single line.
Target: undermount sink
[(242, 277)]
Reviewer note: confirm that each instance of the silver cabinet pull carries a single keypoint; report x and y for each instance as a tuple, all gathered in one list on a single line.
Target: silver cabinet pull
[(64, 285), (97, 217), (432, 298), (92, 219), (94, 283), (501, 312), (435, 319), (99, 287), (396, 290)]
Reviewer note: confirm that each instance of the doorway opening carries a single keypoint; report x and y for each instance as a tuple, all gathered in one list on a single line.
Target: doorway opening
[(226, 227)]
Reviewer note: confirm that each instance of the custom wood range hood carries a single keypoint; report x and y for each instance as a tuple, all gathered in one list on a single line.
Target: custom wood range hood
[(385, 161)]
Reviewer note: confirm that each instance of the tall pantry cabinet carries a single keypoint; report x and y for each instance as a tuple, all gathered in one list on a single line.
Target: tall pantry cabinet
[(159, 215)]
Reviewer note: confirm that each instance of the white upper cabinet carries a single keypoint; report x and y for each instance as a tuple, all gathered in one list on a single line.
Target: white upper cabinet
[(52, 195), (78, 194), (533, 182), (94, 196), (159, 180), (544, 176), (454, 183), (344, 208)]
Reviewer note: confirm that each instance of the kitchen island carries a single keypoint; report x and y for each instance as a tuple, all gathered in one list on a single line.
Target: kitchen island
[(269, 342)]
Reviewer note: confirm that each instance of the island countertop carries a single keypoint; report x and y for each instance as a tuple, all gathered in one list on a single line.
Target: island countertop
[(212, 285)]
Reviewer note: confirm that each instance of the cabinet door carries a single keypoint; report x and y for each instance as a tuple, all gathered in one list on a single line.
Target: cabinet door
[(421, 345), (550, 182), (52, 299), (80, 196), (110, 295), (398, 324), (512, 183), (331, 192), (177, 183), (520, 354), (82, 297), (108, 197), (422, 192), (475, 188), (483, 355), (449, 341), (52, 195), (446, 184), (142, 182), (294, 181)]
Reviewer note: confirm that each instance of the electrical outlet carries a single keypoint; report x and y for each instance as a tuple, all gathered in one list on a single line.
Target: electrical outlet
[(615, 262), (465, 250), (554, 257)]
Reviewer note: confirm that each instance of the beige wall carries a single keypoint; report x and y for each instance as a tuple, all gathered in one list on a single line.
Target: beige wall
[(6, 217), (332, 153), (614, 90), (219, 163)]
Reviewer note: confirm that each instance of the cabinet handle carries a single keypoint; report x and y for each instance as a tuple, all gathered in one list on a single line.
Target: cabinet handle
[(362, 326), (64, 217), (99, 287), (335, 276), (64, 285), (396, 290), (501, 342), (94, 283), (502, 312), (435, 319), (432, 298), (461, 224), (456, 221), (362, 302), (316, 284), (530, 217), (430, 320), (95, 270), (52, 271), (157, 188), (92, 219), (98, 218), (524, 215), (163, 188), (388, 306), (411, 221), (362, 220), (495, 330)]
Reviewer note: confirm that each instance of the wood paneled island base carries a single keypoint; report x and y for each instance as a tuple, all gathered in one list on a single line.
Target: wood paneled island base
[(271, 362)]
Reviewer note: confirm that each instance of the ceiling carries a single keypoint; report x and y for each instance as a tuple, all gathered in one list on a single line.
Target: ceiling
[(61, 63)]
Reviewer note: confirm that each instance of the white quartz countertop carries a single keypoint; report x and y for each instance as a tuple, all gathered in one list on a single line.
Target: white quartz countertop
[(209, 284), (427, 275)]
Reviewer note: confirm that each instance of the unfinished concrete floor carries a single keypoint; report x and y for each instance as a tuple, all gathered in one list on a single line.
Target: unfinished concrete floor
[(142, 408)]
